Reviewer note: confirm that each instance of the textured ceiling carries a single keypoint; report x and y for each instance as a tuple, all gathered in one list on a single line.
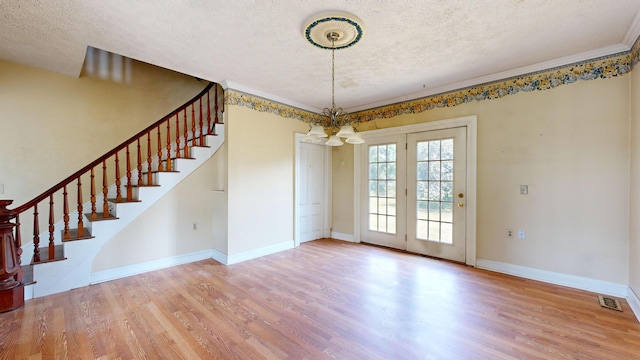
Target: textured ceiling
[(410, 48)]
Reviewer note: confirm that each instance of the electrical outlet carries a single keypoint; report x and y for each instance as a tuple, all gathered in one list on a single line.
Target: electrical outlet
[(195, 226), (524, 189), (522, 234), (509, 233)]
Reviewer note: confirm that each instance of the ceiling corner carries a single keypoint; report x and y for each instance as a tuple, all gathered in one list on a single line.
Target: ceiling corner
[(633, 32)]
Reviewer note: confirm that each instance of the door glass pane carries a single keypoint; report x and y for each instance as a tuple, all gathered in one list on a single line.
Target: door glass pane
[(446, 211), (422, 230), (382, 188), (434, 210), (391, 206), (447, 150), (373, 222), (423, 151), (434, 191), (423, 210), (382, 206), (382, 171), (423, 171)]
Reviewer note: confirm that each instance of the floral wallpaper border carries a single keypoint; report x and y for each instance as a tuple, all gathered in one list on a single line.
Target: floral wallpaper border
[(599, 68), (234, 97)]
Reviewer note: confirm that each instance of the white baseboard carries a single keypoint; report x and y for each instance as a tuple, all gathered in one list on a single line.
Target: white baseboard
[(577, 282), (634, 303), (256, 253), (220, 257), (129, 270), (343, 237)]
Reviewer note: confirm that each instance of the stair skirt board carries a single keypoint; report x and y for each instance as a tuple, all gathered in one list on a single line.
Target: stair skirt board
[(75, 272), (136, 269)]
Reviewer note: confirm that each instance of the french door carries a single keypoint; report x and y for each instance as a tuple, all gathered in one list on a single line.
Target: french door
[(383, 193), (415, 192)]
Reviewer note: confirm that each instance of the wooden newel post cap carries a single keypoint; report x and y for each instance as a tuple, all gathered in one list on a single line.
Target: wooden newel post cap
[(6, 214)]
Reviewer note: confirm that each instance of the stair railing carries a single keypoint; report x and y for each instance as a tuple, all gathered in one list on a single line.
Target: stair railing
[(156, 148)]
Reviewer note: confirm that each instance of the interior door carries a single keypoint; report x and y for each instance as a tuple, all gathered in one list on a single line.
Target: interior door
[(311, 191), (436, 190), (383, 192)]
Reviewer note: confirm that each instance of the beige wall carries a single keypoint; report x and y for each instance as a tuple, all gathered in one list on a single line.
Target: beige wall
[(260, 155), (342, 188), (53, 125), (634, 206), (571, 146), (166, 228)]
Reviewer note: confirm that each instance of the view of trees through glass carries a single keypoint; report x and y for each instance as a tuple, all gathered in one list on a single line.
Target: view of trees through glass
[(435, 191), (382, 188)]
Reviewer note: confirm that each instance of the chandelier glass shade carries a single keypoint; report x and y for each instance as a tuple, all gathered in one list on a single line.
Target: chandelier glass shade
[(340, 32)]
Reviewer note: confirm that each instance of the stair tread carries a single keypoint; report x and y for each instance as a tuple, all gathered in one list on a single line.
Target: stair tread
[(73, 235), (182, 157), (100, 217), (123, 201), (44, 255), (163, 171), (143, 185)]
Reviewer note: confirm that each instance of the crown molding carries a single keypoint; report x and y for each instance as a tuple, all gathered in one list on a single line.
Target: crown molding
[(633, 32)]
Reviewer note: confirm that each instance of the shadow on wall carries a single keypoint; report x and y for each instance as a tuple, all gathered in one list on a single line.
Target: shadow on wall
[(107, 66)]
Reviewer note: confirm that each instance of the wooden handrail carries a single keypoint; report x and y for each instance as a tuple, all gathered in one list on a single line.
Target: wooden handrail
[(106, 156)]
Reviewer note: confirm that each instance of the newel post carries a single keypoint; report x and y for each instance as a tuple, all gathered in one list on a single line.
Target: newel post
[(11, 290)]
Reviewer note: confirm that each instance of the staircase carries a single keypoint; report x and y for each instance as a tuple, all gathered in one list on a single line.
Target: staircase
[(153, 161)]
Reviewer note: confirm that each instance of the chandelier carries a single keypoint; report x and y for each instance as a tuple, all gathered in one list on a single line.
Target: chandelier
[(333, 33)]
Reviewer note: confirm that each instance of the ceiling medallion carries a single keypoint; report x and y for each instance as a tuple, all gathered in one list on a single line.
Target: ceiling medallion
[(349, 28), (334, 32)]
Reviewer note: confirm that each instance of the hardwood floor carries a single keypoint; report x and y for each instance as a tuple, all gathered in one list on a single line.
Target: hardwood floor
[(324, 300)]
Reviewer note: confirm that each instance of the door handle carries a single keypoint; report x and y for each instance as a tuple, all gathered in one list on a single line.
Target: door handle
[(460, 204)]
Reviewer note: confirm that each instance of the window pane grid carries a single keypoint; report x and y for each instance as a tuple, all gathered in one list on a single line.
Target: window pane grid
[(382, 188), (434, 192)]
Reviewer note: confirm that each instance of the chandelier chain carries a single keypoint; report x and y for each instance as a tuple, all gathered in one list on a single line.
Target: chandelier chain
[(333, 72)]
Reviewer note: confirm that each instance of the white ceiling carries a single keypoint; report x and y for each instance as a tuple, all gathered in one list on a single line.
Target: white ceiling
[(411, 48)]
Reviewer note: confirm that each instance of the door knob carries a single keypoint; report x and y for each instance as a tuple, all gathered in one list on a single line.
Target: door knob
[(460, 204)]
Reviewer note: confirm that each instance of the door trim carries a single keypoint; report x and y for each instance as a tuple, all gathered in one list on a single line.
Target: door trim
[(470, 122), (326, 226)]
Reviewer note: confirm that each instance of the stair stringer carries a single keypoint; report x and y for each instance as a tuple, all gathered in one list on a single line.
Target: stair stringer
[(75, 271)]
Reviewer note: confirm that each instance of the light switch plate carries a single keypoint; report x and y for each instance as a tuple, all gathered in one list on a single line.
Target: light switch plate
[(524, 189)]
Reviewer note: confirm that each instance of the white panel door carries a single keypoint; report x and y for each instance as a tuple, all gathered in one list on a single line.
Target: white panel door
[(436, 193), (311, 191), (383, 192)]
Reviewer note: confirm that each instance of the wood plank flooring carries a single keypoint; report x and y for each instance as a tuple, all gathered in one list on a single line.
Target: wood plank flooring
[(326, 299)]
